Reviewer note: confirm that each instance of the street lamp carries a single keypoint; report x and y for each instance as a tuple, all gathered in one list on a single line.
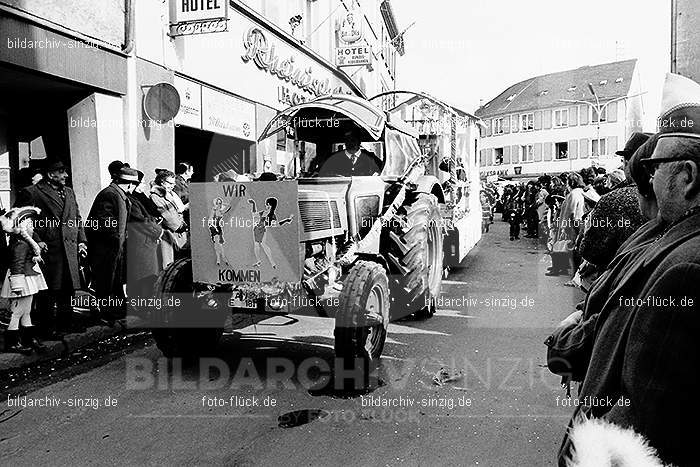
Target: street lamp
[(599, 109)]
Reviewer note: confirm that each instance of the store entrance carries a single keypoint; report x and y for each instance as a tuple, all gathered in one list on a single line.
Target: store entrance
[(33, 126), (212, 153)]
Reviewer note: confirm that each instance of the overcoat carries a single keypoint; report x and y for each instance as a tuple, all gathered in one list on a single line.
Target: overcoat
[(106, 235), (59, 226), (144, 231), (645, 360)]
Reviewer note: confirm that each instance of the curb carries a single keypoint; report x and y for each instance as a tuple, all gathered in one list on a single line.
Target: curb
[(55, 349)]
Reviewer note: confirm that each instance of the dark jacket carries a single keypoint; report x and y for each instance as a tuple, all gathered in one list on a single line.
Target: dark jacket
[(612, 221), (21, 254), (59, 226), (106, 235), (339, 164), (648, 352), (182, 189), (144, 231)]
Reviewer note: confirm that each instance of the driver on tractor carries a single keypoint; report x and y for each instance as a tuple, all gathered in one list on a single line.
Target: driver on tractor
[(351, 161)]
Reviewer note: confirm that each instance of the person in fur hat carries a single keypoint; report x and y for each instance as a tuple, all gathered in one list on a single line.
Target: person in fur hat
[(22, 280)]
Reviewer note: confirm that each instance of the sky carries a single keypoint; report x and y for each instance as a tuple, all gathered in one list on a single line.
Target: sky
[(464, 51)]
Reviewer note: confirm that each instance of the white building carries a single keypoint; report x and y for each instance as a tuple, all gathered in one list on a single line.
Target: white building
[(550, 123)]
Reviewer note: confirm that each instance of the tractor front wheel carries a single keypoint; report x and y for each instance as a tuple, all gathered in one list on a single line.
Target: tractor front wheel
[(363, 315), (189, 329)]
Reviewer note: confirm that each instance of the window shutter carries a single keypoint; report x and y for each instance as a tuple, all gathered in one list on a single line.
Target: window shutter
[(506, 124), (547, 123), (538, 152), (611, 144), (573, 116), (583, 114), (584, 148), (538, 120), (612, 112), (573, 149), (547, 151), (515, 154), (489, 127), (506, 155), (514, 123), (489, 156), (482, 156)]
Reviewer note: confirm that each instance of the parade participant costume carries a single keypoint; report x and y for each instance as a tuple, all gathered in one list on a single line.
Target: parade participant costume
[(22, 280)]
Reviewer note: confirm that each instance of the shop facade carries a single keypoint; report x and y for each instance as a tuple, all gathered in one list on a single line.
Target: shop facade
[(230, 84), (64, 92)]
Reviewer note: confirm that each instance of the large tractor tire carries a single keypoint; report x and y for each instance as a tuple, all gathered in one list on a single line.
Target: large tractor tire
[(190, 329), (363, 314), (414, 251)]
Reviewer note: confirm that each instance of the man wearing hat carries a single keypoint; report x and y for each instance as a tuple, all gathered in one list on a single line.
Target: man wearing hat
[(107, 236), (59, 228), (645, 361)]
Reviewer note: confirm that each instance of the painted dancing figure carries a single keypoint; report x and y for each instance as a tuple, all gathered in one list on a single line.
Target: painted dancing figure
[(262, 220), (216, 229)]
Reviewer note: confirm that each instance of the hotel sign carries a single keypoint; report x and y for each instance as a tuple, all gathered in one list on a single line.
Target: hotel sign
[(351, 51), (198, 17)]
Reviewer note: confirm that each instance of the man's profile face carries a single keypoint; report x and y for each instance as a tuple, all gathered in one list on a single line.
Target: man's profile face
[(58, 176), (668, 190)]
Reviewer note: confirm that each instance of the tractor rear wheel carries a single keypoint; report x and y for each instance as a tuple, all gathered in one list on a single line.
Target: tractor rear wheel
[(188, 329), (415, 255)]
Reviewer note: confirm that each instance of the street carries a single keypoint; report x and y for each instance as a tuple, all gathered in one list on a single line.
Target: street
[(495, 404)]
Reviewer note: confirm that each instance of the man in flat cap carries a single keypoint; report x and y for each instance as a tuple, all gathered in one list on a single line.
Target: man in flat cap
[(59, 227), (645, 362), (106, 234)]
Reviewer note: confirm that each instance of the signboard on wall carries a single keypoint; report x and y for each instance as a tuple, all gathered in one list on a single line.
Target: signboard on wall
[(190, 113), (227, 115), (245, 232), (198, 16), (351, 50)]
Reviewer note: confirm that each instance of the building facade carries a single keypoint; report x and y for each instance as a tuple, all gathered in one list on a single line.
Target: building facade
[(272, 55), (58, 56), (92, 82), (561, 121), (685, 38)]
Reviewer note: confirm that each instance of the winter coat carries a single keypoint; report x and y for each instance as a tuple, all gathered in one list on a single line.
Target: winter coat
[(59, 226), (144, 231), (646, 353), (170, 207), (106, 235), (182, 189), (21, 257), (571, 213)]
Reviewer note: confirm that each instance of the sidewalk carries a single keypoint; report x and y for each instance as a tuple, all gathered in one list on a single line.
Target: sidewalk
[(55, 349)]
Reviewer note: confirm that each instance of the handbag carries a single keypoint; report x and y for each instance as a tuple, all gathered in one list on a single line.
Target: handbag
[(562, 246)]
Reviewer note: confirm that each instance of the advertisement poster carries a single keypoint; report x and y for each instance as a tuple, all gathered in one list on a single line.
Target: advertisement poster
[(245, 232)]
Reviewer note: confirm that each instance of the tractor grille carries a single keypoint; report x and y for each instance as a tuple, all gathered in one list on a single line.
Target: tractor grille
[(316, 215)]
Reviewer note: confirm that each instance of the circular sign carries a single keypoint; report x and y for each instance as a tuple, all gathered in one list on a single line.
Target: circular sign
[(162, 102)]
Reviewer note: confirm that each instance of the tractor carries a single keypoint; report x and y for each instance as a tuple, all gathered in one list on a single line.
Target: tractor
[(363, 248)]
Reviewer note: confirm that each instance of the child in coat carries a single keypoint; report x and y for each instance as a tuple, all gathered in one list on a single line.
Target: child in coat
[(22, 280)]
